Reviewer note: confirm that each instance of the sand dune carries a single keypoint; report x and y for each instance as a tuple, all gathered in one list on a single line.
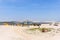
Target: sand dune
[(19, 33)]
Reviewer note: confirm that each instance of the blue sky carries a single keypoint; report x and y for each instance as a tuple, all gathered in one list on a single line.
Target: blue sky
[(42, 10)]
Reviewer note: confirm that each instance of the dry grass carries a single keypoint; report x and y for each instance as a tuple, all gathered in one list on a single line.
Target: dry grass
[(41, 29)]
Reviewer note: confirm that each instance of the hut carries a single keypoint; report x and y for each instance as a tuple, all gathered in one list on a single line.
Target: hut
[(45, 24)]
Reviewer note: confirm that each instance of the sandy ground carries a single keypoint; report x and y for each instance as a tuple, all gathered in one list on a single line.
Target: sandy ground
[(19, 33)]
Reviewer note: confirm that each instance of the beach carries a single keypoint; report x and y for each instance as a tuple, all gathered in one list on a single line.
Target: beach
[(20, 33)]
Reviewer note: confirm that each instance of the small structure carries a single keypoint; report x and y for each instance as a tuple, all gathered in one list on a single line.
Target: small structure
[(45, 24), (26, 23)]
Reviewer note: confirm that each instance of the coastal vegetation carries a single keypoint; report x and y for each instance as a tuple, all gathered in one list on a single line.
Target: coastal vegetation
[(41, 29)]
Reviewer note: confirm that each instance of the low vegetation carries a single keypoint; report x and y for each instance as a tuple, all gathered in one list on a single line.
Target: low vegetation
[(41, 29)]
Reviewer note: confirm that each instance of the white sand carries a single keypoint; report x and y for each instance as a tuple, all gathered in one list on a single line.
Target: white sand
[(18, 33)]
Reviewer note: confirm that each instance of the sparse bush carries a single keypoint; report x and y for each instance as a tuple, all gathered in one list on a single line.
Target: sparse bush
[(41, 29)]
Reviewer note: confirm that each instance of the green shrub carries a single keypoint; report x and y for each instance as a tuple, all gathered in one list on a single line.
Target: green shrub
[(41, 29)]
